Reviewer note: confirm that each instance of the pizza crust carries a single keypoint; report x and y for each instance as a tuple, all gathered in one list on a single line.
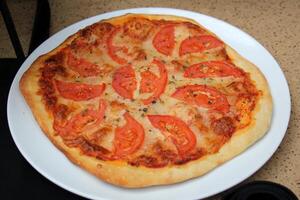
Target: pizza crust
[(125, 175)]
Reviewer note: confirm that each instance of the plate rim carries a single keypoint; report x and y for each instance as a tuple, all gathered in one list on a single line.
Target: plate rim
[(92, 19)]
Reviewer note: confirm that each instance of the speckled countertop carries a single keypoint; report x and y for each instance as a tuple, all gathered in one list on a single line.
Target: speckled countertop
[(275, 24)]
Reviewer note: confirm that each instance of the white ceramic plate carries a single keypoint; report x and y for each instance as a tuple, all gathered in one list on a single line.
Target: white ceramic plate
[(51, 163)]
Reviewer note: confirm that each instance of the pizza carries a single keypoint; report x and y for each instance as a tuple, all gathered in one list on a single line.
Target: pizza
[(141, 100)]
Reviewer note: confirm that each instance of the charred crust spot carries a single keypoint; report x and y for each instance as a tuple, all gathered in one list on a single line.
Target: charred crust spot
[(61, 112), (244, 87), (191, 156), (52, 66), (194, 27), (50, 101), (77, 44), (223, 54), (163, 22), (147, 161), (250, 88), (223, 126), (159, 157), (164, 154), (86, 32), (101, 29), (55, 60), (73, 141), (98, 135), (138, 28), (48, 72), (99, 152), (86, 147), (48, 92), (104, 27), (235, 87)]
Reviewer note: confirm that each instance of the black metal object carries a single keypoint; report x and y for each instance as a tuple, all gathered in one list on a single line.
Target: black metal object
[(264, 190), (19, 180), (41, 25), (11, 30), (40, 31)]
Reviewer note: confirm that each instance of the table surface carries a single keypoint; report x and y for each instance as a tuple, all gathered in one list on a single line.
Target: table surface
[(275, 24)]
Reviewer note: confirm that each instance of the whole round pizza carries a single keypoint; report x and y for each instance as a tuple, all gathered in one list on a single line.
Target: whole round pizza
[(141, 100)]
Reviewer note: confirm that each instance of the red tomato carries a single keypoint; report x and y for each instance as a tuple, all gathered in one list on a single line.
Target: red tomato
[(175, 129), (85, 120), (82, 66), (79, 91), (212, 69), (198, 44), (151, 83), (112, 49), (202, 96), (164, 40), (124, 81), (129, 137), (148, 82)]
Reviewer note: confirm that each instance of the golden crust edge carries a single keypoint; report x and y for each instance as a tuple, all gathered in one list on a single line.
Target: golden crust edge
[(125, 175)]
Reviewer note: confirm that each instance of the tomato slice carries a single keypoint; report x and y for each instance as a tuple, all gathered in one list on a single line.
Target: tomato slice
[(79, 91), (198, 44), (124, 81), (151, 83), (82, 66), (85, 120), (175, 129), (212, 69), (202, 96), (148, 82), (129, 137), (112, 49), (164, 40)]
